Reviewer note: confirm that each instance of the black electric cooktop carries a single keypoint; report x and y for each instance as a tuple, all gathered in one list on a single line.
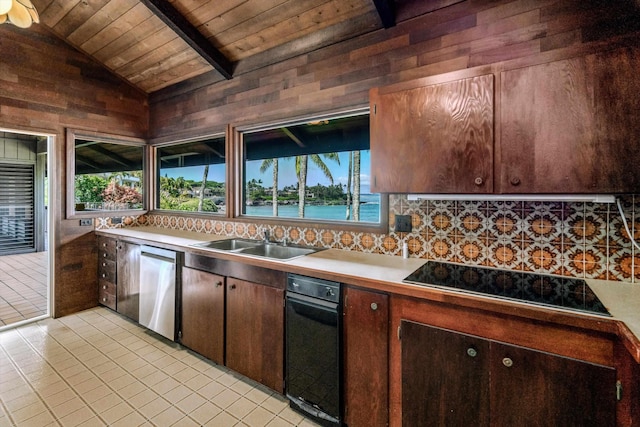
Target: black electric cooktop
[(554, 291)]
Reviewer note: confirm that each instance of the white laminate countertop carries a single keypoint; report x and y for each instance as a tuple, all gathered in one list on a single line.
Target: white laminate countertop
[(621, 299)]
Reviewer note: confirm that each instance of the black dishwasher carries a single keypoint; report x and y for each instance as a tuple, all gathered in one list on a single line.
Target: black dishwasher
[(313, 377)]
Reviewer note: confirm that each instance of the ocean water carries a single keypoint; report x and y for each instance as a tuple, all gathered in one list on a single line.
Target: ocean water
[(369, 212)]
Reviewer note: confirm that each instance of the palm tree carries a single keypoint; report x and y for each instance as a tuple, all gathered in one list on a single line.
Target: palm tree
[(266, 164), (202, 187), (356, 185), (349, 186), (353, 199), (301, 172)]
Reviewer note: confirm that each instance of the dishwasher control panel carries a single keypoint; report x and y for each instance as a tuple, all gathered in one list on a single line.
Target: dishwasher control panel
[(312, 287)]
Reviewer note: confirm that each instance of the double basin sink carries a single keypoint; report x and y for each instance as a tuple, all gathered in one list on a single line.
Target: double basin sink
[(258, 248)]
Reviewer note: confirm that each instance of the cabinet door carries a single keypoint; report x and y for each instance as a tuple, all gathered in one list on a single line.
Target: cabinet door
[(366, 330), (445, 377), (433, 139), (203, 313), (531, 388), (255, 332), (128, 273), (570, 126)]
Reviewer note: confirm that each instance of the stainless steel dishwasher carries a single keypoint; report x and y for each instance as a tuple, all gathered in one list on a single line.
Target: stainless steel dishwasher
[(159, 281), (313, 381)]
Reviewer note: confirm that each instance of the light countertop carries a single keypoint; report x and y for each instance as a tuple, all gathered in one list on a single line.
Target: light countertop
[(384, 272)]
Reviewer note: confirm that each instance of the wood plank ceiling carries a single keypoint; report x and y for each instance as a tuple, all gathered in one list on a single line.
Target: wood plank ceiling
[(152, 46)]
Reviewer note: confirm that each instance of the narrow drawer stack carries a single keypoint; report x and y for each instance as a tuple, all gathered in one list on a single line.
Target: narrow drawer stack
[(107, 272)]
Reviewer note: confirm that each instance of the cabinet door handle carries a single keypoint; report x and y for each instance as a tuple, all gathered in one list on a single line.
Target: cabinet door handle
[(104, 300), (104, 275), (104, 286), (233, 286), (507, 362), (104, 264), (472, 352), (374, 306), (218, 284), (478, 181), (515, 181)]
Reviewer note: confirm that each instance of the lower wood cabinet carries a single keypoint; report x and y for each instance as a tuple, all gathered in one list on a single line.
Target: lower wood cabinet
[(445, 377), (128, 274), (202, 326), (449, 378), (530, 388), (366, 378), (119, 276), (255, 332)]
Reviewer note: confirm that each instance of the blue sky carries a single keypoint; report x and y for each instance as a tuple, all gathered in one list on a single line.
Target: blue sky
[(286, 172)]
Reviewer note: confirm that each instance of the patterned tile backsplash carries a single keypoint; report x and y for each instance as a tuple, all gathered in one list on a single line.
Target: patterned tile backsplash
[(586, 240)]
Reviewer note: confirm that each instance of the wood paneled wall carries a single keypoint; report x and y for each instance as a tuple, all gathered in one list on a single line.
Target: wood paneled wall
[(462, 35), (46, 86)]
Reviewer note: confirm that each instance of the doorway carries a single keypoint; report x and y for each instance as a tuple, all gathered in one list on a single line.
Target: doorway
[(25, 258)]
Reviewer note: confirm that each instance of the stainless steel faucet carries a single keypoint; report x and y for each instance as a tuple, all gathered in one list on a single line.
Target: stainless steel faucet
[(267, 237)]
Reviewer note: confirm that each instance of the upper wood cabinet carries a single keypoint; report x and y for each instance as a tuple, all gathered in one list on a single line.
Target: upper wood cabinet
[(436, 138), (567, 126), (571, 126)]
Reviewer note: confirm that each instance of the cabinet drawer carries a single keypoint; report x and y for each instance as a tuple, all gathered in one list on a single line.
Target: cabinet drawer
[(106, 264), (107, 270), (107, 294), (106, 248)]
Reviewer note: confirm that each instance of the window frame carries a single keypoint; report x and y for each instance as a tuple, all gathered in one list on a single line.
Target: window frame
[(155, 174), (234, 210), (71, 136)]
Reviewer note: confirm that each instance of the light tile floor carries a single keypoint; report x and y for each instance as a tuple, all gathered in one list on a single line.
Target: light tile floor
[(23, 287), (96, 368)]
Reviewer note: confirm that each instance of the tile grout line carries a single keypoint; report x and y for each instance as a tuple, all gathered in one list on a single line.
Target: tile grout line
[(28, 382)]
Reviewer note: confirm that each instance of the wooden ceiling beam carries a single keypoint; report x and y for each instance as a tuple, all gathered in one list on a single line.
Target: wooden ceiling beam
[(387, 11), (190, 34)]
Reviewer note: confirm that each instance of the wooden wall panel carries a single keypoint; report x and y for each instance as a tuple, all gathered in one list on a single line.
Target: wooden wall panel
[(457, 36), (46, 86)]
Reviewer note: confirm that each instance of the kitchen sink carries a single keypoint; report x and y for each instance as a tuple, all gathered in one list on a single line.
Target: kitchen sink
[(272, 250), (230, 245), (258, 248)]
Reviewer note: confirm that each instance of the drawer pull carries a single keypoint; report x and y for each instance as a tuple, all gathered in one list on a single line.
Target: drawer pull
[(104, 300), (374, 306), (104, 286), (104, 275), (104, 264), (507, 362), (472, 352)]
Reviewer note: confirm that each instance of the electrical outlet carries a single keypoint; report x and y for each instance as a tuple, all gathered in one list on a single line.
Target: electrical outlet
[(85, 222), (116, 220), (403, 224)]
